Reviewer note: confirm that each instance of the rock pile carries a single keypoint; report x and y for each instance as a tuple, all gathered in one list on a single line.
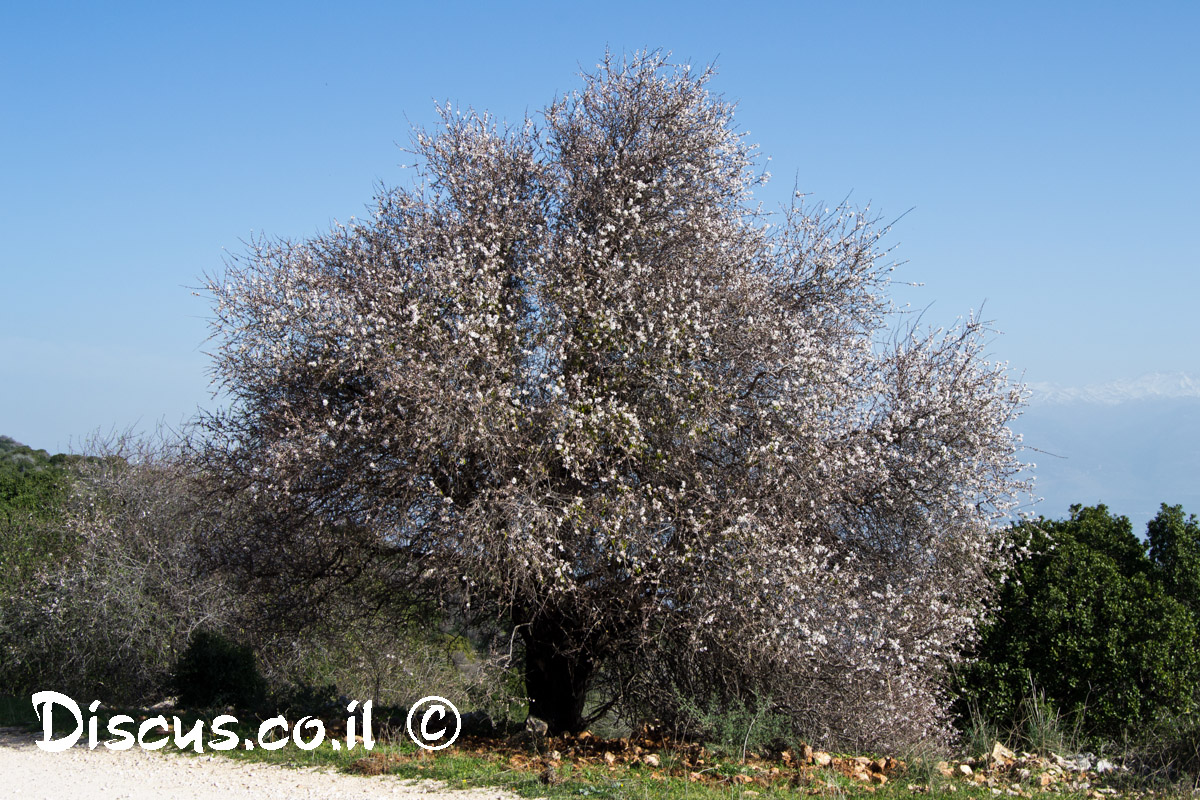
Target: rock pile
[(1020, 775)]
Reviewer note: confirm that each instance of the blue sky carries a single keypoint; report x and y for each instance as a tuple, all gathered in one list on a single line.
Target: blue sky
[(1047, 153)]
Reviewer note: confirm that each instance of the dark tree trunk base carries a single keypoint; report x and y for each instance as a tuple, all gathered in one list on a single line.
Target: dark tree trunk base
[(557, 675)]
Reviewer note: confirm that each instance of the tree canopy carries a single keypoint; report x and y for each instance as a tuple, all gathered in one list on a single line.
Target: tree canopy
[(575, 378)]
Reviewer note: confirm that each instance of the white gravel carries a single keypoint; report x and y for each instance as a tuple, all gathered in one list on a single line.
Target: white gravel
[(30, 773)]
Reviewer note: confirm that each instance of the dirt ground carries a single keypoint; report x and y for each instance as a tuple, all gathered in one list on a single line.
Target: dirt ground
[(30, 773)]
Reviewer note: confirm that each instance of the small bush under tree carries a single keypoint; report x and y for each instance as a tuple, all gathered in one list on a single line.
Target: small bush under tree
[(215, 671)]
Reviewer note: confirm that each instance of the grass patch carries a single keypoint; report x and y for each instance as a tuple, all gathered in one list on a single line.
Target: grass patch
[(17, 712), (532, 772)]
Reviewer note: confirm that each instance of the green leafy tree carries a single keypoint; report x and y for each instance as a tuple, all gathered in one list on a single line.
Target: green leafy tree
[(1175, 550), (1086, 619)]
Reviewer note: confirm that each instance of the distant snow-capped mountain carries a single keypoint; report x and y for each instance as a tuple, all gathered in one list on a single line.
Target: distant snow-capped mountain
[(1130, 444), (1165, 385)]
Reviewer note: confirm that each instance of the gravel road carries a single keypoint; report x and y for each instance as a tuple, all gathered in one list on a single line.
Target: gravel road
[(30, 773)]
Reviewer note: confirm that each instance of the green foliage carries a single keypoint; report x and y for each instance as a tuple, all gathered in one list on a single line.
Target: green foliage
[(14, 453), (29, 491), (21, 459), (738, 726), (1088, 619), (214, 671), (17, 712), (33, 489), (32, 484), (1175, 550)]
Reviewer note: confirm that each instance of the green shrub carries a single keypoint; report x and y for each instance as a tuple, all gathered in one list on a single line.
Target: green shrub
[(734, 725), (31, 534), (1174, 541), (1088, 620), (214, 671)]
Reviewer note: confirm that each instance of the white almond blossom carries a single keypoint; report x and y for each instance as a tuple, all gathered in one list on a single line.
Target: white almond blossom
[(677, 447)]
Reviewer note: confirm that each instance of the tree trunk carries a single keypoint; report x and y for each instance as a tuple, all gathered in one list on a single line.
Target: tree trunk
[(557, 674)]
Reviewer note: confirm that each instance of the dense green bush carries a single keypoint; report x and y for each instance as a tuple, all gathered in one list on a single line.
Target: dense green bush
[(1089, 619), (29, 491), (1175, 550), (33, 488), (215, 671)]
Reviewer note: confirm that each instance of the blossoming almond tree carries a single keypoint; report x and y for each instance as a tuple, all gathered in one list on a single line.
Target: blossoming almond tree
[(574, 377)]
